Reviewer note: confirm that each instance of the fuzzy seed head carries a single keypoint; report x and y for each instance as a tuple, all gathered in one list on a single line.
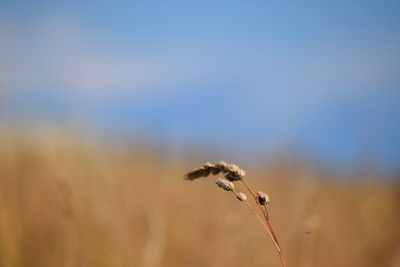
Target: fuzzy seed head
[(231, 171), (225, 184), (262, 198)]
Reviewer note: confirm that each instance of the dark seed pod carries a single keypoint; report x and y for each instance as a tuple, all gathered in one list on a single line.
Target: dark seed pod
[(262, 198)]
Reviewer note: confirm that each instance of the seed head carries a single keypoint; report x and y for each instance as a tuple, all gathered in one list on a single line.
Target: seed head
[(225, 184), (262, 198), (241, 196), (232, 172)]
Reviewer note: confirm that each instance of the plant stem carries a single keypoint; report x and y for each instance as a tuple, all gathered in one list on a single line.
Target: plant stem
[(267, 228), (269, 223), (273, 233), (266, 217)]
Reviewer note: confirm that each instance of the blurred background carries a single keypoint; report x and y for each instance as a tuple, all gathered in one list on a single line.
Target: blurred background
[(104, 106)]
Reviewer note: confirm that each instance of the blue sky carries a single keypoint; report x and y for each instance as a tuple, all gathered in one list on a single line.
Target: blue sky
[(319, 76)]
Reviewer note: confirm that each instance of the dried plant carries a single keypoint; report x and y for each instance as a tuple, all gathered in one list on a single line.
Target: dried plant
[(232, 174), (262, 198), (241, 196), (225, 184)]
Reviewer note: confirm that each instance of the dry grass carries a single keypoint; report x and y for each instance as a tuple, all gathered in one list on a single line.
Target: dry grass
[(234, 173), (66, 203)]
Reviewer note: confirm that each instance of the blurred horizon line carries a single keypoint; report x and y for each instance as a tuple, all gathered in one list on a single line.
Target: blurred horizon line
[(287, 155)]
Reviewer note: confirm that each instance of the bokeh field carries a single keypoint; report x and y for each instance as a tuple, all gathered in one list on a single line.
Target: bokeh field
[(105, 105), (69, 202)]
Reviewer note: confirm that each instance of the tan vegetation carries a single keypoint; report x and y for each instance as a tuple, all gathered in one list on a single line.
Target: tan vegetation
[(64, 202), (234, 173)]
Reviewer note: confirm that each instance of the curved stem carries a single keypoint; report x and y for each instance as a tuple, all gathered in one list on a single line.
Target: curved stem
[(269, 224), (261, 221), (266, 217), (273, 233), (267, 228)]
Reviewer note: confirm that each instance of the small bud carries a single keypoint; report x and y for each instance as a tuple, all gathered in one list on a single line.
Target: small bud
[(226, 185), (241, 196), (262, 198)]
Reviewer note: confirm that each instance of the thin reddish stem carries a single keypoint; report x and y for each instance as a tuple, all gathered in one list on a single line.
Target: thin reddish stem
[(266, 217), (261, 221)]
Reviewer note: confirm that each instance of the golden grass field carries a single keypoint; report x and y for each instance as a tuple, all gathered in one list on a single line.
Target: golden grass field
[(68, 202)]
